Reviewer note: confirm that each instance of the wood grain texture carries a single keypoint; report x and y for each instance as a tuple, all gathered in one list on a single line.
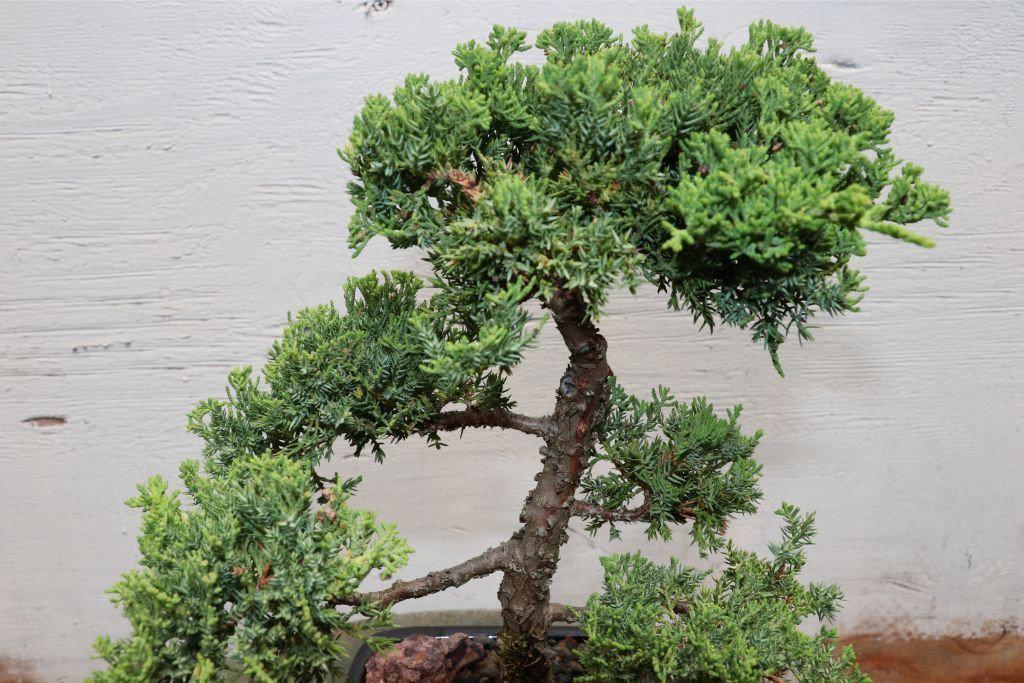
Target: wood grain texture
[(169, 189)]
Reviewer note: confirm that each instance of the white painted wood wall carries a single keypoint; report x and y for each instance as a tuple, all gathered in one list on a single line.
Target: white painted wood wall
[(169, 190)]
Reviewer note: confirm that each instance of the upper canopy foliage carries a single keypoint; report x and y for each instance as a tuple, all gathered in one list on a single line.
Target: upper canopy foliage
[(738, 181)]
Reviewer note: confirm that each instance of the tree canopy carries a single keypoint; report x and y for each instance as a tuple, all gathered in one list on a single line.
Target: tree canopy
[(739, 182)]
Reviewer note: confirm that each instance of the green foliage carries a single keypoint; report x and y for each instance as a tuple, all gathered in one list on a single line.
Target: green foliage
[(738, 181), (682, 460), (381, 370), (468, 331), (355, 375), (516, 236), (656, 623), (244, 580)]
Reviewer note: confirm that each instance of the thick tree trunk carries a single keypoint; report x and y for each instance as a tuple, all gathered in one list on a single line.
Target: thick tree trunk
[(579, 406)]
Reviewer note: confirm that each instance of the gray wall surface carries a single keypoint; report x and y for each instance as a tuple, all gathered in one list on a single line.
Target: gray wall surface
[(169, 190)]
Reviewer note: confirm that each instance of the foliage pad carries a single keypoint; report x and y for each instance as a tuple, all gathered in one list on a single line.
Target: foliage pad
[(738, 181), (683, 461), (244, 580), (382, 369), (656, 623)]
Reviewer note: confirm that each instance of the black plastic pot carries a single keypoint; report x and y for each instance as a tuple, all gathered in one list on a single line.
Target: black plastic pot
[(486, 634)]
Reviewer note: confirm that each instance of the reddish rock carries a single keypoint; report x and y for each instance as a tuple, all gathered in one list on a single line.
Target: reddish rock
[(424, 659)]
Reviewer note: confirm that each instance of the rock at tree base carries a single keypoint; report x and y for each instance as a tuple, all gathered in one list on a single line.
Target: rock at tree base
[(424, 659)]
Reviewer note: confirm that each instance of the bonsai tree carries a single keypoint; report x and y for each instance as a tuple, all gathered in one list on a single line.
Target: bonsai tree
[(739, 183)]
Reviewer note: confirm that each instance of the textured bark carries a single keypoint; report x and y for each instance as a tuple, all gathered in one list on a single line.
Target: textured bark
[(579, 406), (505, 419), (566, 614), (487, 562)]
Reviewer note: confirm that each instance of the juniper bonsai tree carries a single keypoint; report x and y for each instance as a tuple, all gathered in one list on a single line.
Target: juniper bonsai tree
[(740, 183)]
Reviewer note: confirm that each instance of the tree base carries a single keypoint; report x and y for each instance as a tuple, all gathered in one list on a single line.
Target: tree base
[(484, 666)]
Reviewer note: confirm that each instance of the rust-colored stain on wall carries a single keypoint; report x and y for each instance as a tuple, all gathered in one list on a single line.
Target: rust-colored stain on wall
[(16, 671), (998, 658)]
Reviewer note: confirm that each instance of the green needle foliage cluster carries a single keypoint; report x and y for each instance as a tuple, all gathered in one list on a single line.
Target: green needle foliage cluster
[(245, 579), (683, 461), (740, 183), (382, 370), (657, 623), (356, 375)]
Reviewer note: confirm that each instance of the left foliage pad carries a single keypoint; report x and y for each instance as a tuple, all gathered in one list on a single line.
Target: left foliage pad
[(247, 579), (381, 370), (354, 375)]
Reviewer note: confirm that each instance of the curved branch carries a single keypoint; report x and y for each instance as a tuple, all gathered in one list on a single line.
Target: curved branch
[(487, 562), (496, 417), (566, 614)]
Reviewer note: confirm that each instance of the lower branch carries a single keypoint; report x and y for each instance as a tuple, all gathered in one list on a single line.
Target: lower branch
[(566, 614), (496, 417), (581, 508), (487, 562)]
